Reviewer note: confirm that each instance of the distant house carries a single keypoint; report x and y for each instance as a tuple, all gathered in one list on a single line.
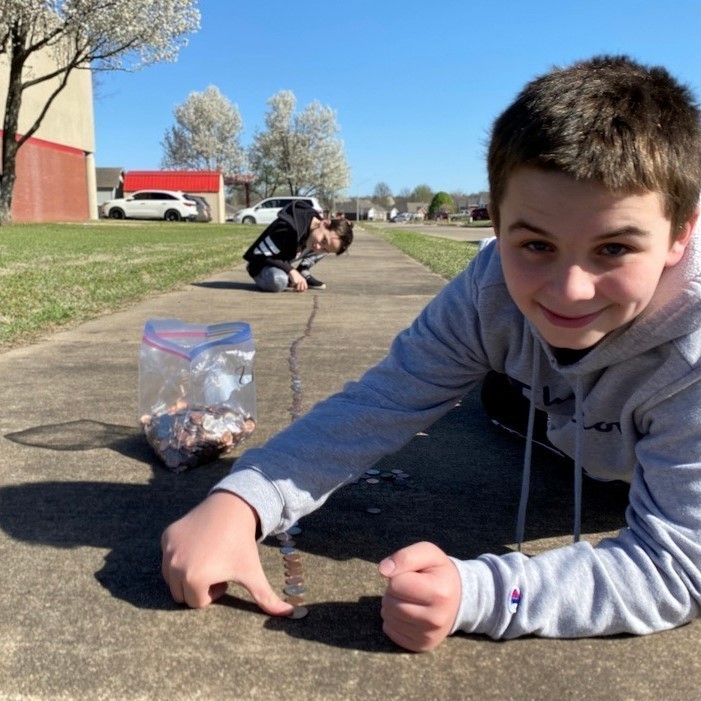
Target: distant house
[(420, 209), (55, 168), (205, 183), (110, 184), (359, 208)]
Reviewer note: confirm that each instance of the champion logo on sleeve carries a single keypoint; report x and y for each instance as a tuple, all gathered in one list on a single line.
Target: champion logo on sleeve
[(514, 599)]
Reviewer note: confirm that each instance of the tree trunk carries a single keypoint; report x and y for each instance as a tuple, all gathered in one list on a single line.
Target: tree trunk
[(9, 135)]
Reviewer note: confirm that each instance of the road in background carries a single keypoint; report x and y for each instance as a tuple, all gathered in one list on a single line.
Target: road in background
[(457, 233)]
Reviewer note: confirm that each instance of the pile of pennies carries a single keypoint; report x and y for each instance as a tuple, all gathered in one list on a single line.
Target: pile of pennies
[(191, 435), (295, 589)]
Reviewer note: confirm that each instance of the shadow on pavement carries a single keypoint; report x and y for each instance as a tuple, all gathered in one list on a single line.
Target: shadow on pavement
[(462, 495)]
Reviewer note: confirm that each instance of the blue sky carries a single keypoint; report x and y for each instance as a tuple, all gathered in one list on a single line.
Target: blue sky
[(415, 86)]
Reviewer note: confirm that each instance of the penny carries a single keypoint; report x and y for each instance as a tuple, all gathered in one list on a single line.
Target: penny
[(298, 612), (296, 600), (294, 589), (283, 537), (293, 568), (294, 556), (295, 579)]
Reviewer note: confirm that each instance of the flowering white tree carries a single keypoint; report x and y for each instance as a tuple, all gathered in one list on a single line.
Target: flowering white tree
[(78, 35), (300, 152), (206, 136)]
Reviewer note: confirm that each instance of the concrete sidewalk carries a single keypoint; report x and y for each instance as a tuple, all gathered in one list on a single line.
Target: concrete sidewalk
[(84, 613)]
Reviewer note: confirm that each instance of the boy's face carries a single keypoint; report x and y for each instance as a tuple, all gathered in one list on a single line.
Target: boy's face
[(323, 240), (580, 260)]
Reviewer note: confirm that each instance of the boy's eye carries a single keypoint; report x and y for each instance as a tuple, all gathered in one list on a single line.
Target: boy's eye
[(537, 246), (614, 249)]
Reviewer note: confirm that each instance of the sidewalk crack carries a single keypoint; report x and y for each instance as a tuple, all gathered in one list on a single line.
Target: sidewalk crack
[(293, 364)]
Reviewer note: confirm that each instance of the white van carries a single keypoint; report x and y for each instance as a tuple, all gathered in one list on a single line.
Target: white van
[(267, 210)]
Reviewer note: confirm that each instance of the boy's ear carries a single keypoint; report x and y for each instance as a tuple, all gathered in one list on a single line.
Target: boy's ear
[(490, 210), (676, 250)]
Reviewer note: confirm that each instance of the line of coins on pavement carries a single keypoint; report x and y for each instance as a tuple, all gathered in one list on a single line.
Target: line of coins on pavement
[(294, 588), (372, 477)]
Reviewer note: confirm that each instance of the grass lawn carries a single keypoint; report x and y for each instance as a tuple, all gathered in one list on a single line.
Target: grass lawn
[(445, 257), (54, 275), (57, 274)]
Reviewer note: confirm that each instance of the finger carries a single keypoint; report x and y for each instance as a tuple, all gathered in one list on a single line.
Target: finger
[(399, 611), (263, 594), (409, 638), (414, 587), (413, 558)]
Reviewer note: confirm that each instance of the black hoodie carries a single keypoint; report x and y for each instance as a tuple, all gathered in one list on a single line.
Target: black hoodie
[(283, 240)]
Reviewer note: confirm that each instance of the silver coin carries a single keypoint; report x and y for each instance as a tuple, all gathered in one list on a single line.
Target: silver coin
[(397, 472), (295, 530), (288, 550), (298, 612), (374, 510), (372, 472), (294, 590), (283, 537), (373, 480)]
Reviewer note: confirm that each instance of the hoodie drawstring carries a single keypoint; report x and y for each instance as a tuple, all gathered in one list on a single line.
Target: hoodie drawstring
[(526, 475), (579, 435)]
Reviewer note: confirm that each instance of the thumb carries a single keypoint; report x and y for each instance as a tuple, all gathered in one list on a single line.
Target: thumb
[(264, 595), (414, 558)]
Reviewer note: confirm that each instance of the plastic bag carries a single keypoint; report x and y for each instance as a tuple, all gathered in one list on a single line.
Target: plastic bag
[(197, 395)]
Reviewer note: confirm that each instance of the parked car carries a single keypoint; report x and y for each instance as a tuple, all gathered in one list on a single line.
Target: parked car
[(404, 216), (479, 214), (204, 211), (151, 204), (267, 210)]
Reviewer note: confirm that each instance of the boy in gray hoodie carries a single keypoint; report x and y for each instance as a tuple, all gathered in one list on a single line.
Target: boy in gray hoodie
[(590, 302)]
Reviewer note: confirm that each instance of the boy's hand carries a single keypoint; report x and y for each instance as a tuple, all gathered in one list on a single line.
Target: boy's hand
[(214, 544), (422, 597), (298, 281)]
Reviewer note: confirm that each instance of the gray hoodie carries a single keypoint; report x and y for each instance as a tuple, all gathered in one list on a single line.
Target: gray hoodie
[(630, 409)]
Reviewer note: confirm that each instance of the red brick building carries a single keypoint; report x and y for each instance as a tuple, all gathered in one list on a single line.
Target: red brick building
[(56, 168)]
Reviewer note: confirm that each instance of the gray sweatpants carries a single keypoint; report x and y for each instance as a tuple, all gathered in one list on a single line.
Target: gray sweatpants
[(272, 279)]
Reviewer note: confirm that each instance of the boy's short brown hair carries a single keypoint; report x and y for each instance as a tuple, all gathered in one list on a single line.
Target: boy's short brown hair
[(344, 229), (609, 120)]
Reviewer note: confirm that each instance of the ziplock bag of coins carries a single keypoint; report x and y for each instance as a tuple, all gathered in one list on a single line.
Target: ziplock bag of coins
[(197, 395)]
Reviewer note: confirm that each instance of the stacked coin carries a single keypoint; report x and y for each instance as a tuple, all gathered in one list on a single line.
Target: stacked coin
[(190, 435), (294, 588)]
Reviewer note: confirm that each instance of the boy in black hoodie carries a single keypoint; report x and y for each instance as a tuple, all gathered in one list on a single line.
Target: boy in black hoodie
[(296, 236)]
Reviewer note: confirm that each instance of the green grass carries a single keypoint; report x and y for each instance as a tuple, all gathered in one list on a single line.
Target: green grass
[(54, 275), (58, 274), (445, 257)]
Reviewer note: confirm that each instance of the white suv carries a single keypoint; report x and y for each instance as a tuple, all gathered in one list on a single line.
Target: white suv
[(151, 204), (266, 211)]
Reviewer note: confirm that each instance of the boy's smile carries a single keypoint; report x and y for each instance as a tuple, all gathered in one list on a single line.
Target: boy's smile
[(580, 260)]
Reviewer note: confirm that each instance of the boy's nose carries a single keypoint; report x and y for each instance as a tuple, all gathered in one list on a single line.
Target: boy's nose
[(574, 283)]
